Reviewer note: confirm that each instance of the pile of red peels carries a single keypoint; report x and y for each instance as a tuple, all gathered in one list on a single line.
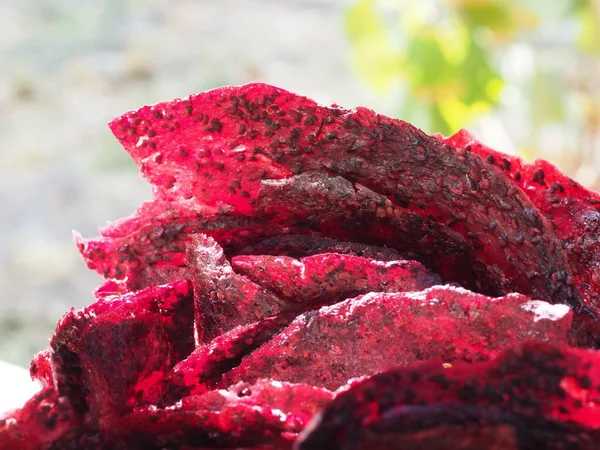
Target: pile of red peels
[(313, 277)]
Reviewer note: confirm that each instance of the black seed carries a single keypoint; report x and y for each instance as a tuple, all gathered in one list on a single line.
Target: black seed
[(409, 395), (310, 120), (472, 183), (216, 125), (585, 382), (441, 380), (295, 115), (558, 187), (538, 177)]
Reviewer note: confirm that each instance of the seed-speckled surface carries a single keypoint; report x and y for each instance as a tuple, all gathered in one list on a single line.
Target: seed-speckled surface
[(291, 247), (367, 334)]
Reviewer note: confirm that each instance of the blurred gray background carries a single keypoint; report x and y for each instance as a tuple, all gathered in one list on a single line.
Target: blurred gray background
[(69, 66)]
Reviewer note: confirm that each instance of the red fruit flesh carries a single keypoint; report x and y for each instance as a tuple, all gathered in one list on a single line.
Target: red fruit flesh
[(572, 210), (367, 334), (217, 148), (236, 425), (458, 427), (40, 368), (329, 278), (535, 380), (297, 404), (290, 248), (100, 353), (203, 368), (224, 299), (334, 206), (149, 247), (42, 420)]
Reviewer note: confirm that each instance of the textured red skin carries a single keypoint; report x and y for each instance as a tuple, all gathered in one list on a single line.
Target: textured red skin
[(573, 210), (297, 246), (40, 368), (367, 334), (329, 277), (533, 380), (224, 299), (100, 353), (217, 147), (44, 418)]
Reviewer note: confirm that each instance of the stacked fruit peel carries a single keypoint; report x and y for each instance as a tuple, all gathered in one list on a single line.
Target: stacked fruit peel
[(313, 277)]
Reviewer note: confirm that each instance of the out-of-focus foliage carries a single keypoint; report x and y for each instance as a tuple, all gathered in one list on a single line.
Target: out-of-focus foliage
[(451, 62)]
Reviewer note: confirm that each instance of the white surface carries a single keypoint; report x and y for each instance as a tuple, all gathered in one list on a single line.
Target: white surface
[(16, 386)]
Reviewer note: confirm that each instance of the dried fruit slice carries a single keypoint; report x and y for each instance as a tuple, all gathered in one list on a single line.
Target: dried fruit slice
[(148, 248), (235, 425), (329, 277), (217, 147), (296, 403), (203, 368), (297, 246), (535, 380), (100, 353), (460, 427), (573, 210), (40, 368), (352, 338), (224, 299), (43, 419), (334, 206)]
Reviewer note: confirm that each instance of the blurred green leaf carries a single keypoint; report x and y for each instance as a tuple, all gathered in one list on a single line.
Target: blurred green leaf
[(589, 39), (427, 60), (482, 81), (495, 15), (374, 57), (446, 70), (547, 100)]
